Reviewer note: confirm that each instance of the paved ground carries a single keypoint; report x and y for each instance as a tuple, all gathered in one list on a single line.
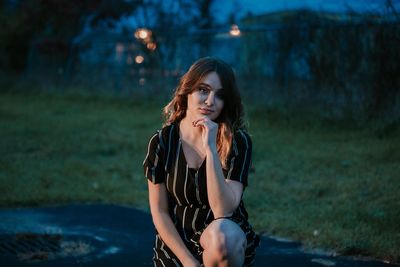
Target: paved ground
[(109, 235)]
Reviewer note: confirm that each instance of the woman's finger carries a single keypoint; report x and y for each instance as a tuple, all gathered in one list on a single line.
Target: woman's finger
[(199, 122)]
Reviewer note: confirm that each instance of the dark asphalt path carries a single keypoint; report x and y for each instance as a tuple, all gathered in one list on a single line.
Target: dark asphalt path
[(109, 235)]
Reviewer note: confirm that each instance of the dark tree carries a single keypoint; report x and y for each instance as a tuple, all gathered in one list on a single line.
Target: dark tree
[(60, 20)]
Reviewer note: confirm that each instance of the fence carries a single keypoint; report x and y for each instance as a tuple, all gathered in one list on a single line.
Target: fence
[(342, 67)]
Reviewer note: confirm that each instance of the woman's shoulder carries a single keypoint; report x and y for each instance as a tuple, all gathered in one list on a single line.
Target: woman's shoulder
[(164, 134), (168, 131), (242, 136), (241, 141)]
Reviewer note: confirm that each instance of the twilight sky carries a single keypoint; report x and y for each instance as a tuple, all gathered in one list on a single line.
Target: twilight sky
[(224, 7)]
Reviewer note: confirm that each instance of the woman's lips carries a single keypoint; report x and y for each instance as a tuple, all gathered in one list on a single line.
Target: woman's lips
[(206, 111)]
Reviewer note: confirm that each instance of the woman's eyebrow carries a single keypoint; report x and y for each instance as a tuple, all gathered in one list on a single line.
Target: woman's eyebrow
[(205, 84), (209, 86)]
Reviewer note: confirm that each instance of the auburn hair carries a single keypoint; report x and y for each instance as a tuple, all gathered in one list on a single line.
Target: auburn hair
[(231, 118)]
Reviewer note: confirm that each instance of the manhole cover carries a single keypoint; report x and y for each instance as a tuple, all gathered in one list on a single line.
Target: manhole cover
[(39, 247)]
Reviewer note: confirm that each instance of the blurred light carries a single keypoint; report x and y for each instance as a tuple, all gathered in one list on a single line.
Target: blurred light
[(142, 81), (139, 59), (151, 46), (143, 34), (234, 31), (119, 48)]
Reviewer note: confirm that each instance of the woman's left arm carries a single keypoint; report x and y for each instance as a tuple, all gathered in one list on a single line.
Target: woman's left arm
[(223, 195)]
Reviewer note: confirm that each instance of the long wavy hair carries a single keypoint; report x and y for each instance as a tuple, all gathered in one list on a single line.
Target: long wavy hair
[(231, 118)]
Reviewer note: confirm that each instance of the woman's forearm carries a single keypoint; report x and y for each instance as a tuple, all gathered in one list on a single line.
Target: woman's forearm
[(221, 197), (166, 229)]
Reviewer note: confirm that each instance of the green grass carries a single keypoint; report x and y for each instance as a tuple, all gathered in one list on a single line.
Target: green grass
[(73, 149), (326, 185)]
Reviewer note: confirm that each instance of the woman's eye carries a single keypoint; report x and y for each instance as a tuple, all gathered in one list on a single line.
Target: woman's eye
[(220, 95), (203, 90)]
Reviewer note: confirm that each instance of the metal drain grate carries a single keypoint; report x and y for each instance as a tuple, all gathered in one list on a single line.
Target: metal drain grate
[(29, 243), (37, 247)]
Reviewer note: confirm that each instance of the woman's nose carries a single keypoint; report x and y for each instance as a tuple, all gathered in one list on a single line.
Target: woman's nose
[(210, 99)]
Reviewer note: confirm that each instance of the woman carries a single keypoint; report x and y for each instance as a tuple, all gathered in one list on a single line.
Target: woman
[(197, 167)]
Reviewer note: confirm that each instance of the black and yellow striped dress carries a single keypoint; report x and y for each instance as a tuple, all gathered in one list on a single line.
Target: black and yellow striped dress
[(187, 191)]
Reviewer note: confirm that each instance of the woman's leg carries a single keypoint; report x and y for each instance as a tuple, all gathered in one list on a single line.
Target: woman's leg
[(224, 244)]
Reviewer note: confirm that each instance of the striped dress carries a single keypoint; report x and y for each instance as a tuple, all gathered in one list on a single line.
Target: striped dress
[(187, 191)]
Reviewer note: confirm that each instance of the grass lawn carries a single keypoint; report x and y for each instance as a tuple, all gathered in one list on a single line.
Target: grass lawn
[(328, 186)]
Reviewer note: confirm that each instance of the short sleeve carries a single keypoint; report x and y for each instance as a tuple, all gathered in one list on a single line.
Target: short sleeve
[(239, 160), (153, 164)]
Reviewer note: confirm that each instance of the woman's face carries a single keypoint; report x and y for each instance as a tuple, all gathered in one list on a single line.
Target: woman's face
[(207, 99)]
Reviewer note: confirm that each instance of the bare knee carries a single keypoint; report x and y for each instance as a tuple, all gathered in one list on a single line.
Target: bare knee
[(224, 242), (218, 246)]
